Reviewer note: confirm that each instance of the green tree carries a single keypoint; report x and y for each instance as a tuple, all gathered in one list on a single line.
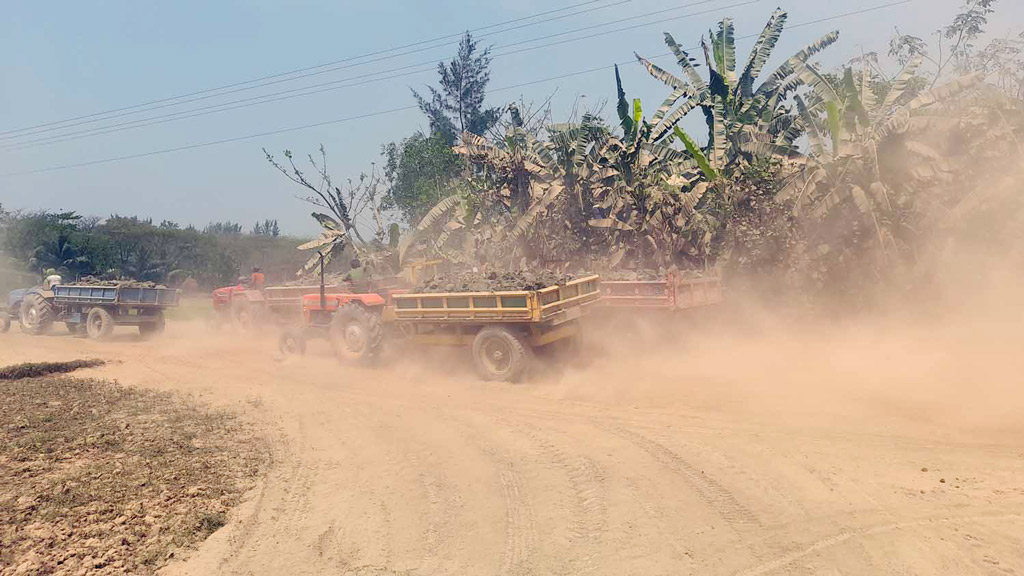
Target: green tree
[(419, 171), (458, 106)]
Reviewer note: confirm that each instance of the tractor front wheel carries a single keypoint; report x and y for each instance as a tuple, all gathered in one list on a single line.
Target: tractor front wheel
[(356, 333), (36, 314), (244, 315), (292, 343), (99, 324), (501, 355)]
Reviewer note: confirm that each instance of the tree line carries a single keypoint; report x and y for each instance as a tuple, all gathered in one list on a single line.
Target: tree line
[(74, 246)]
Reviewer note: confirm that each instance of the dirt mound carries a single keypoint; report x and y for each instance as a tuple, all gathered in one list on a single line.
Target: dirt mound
[(493, 282), (99, 478)]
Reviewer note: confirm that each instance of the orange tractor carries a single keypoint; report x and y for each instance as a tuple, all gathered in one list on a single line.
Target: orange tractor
[(351, 322), (503, 329)]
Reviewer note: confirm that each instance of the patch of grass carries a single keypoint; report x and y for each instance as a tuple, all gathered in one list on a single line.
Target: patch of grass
[(109, 479), (37, 369)]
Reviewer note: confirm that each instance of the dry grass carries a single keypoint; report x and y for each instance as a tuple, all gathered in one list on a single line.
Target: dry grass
[(99, 478)]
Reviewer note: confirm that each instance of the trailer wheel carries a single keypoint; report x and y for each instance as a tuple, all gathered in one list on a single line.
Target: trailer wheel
[(500, 354), (5, 322), (154, 328), (99, 324), (36, 314), (356, 333), (292, 343)]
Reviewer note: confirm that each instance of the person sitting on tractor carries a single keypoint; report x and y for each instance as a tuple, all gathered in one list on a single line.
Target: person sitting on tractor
[(356, 273), (258, 279)]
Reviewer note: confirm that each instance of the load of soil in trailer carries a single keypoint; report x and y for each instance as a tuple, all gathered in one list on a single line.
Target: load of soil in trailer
[(633, 275), (93, 281), (522, 280)]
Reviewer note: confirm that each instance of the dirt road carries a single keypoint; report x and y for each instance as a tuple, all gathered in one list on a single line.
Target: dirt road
[(846, 451)]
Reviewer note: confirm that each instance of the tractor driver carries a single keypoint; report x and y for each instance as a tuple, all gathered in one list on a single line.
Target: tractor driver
[(257, 278), (356, 273)]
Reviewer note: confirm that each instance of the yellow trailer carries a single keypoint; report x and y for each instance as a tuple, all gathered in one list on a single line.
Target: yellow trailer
[(503, 328)]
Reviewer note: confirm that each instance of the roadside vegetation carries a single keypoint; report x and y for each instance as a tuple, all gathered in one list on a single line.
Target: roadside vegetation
[(100, 478), (765, 168)]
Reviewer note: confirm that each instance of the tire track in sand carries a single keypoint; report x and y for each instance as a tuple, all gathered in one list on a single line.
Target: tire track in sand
[(519, 535), (716, 496), (847, 535), (589, 518)]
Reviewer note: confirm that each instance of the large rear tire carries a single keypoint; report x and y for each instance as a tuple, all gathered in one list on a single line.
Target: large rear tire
[(357, 333), (154, 328), (501, 355), (99, 324), (36, 314)]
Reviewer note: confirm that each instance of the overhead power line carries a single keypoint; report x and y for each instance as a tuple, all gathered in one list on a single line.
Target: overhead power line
[(354, 81), (322, 68), (404, 108)]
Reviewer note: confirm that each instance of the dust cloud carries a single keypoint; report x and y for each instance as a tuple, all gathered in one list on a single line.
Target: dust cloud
[(940, 359)]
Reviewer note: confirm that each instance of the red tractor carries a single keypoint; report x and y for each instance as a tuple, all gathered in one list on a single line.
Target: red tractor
[(350, 322)]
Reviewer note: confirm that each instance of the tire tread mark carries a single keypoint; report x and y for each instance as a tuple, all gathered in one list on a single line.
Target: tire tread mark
[(518, 524), (716, 496), (841, 537), (590, 510)]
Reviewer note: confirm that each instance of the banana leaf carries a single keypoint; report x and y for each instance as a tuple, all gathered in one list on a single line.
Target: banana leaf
[(760, 53)]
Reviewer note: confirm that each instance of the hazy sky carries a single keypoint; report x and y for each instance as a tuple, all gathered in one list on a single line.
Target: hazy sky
[(70, 59)]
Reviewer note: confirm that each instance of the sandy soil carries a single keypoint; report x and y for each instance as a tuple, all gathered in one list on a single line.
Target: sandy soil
[(842, 449)]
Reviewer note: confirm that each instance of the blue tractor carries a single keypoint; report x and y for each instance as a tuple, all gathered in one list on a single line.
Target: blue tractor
[(89, 309)]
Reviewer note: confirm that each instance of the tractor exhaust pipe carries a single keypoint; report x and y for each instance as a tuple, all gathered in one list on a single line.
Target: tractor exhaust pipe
[(323, 290)]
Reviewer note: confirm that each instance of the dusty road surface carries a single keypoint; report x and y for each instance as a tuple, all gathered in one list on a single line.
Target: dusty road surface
[(846, 450)]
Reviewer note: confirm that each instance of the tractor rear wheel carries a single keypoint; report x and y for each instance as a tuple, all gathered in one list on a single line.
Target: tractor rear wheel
[(99, 324), (501, 355), (36, 314), (356, 333), (154, 328), (292, 343)]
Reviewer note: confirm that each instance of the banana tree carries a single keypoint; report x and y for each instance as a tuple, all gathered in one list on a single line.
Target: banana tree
[(743, 121), (873, 160), (648, 187), (332, 242)]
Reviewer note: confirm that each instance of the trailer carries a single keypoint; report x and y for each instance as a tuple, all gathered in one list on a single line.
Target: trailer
[(95, 310), (673, 292), (503, 329)]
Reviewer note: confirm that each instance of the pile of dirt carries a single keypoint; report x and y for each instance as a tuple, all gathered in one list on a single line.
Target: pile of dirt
[(493, 282), (93, 281), (37, 369), (98, 478)]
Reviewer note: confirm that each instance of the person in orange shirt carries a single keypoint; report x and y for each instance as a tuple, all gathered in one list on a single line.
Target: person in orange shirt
[(258, 279)]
